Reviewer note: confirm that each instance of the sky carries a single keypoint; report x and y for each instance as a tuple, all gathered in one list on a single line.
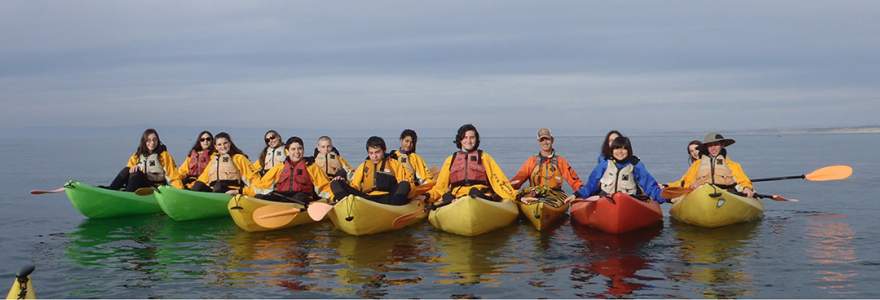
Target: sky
[(574, 65)]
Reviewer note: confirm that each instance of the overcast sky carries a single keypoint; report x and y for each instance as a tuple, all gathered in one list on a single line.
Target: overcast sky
[(664, 65)]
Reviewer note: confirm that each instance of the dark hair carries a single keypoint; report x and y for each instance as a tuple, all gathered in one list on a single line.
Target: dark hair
[(606, 149), (233, 150), (198, 145), (332, 149), (376, 142), (263, 154), (622, 142), (291, 140), (688, 149), (142, 146), (460, 135), (410, 133)]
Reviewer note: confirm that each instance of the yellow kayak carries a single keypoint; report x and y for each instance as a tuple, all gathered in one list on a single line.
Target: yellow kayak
[(22, 288), (543, 214), (242, 208), (358, 216), (473, 216), (701, 209)]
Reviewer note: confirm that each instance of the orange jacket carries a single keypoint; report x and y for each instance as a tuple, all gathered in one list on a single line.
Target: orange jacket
[(563, 169)]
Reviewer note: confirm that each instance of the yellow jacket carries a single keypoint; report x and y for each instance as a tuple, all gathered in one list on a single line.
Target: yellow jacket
[(500, 185), (168, 165), (421, 171), (266, 183), (241, 163), (363, 175), (690, 177)]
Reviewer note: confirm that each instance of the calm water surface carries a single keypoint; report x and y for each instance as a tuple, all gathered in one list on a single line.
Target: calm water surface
[(824, 246)]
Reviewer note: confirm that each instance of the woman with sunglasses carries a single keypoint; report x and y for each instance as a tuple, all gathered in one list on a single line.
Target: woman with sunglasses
[(228, 171), (272, 155), (197, 159), (622, 172), (150, 165)]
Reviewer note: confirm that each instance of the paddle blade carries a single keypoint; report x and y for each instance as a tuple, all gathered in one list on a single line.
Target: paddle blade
[(776, 198), (406, 219), (40, 192), (674, 192), (274, 216), (144, 191), (318, 210), (593, 198), (829, 173)]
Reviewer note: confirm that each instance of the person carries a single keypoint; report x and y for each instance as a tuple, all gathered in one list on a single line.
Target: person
[(420, 176), (378, 178), (470, 171), (197, 159), (229, 171), (693, 150), (714, 167), (272, 154), (547, 168), (297, 179), (605, 150), (328, 158), (623, 172), (151, 165)]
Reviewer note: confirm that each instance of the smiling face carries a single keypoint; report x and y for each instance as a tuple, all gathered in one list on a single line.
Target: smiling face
[(152, 141), (222, 145), (469, 140), (205, 141), (546, 144), (620, 153), (376, 154), (406, 144), (272, 140), (295, 152), (714, 149), (325, 146), (694, 151)]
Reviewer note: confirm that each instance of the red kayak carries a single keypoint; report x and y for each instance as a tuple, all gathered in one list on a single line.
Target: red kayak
[(618, 215)]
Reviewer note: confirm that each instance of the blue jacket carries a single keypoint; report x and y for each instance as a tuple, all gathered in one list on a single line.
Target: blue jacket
[(642, 176)]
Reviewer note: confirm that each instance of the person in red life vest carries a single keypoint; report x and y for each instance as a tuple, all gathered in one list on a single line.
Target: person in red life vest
[(420, 176), (229, 170), (547, 168), (297, 179), (150, 165), (378, 178), (273, 154), (328, 158), (470, 171), (623, 172), (197, 159)]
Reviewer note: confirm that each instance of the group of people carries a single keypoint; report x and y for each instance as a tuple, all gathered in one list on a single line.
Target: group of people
[(284, 173)]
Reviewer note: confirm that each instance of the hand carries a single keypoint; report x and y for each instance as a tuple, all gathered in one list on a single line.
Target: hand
[(749, 192), (515, 182), (337, 178), (132, 170), (569, 199), (421, 198), (232, 192)]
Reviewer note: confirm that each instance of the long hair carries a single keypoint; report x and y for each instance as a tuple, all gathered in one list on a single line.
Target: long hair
[(691, 159), (142, 146), (410, 133), (198, 145), (464, 129), (233, 149), (263, 154), (606, 149)]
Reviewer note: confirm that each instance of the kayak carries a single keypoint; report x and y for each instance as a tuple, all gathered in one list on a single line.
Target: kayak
[(358, 216), (96, 202), (22, 286), (543, 214), (469, 216), (701, 209), (242, 208), (186, 205), (617, 214)]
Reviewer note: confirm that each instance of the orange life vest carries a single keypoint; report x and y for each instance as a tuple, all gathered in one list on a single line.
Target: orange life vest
[(546, 174), (467, 169)]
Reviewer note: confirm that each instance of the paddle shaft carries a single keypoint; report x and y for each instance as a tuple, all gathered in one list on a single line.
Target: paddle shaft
[(779, 178)]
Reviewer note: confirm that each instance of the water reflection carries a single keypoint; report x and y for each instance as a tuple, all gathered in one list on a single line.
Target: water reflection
[(373, 264), (831, 246), (472, 260), (714, 257), (617, 257)]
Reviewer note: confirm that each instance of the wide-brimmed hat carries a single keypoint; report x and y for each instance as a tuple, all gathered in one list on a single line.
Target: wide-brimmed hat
[(716, 138)]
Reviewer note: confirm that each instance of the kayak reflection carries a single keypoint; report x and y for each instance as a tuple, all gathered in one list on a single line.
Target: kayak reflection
[(471, 260), (714, 256), (618, 257)]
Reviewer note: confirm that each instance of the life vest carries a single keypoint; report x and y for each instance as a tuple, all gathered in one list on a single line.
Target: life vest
[(714, 170), (404, 160), (273, 156), (198, 161), (222, 168), (329, 163), (382, 179), (152, 167), (295, 178), (467, 169), (619, 180), (546, 173)]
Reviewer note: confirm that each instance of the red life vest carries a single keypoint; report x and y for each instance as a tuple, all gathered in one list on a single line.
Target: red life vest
[(295, 178), (467, 169), (198, 161)]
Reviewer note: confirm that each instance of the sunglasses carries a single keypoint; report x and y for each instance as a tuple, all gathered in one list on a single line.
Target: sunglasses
[(270, 138), (205, 139)]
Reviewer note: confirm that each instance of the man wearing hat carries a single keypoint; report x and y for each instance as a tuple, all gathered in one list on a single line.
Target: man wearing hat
[(714, 167), (547, 168)]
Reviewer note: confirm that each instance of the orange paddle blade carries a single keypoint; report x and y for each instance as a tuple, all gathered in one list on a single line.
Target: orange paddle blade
[(40, 192), (274, 216), (404, 220), (318, 210), (839, 172), (675, 192)]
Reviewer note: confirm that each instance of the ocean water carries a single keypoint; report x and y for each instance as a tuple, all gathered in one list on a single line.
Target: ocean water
[(824, 246)]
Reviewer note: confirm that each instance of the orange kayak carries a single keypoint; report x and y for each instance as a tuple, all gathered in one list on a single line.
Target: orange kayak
[(618, 215)]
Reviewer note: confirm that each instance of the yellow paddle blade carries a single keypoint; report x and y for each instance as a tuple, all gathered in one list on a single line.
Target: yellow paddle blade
[(674, 192), (274, 216), (839, 172)]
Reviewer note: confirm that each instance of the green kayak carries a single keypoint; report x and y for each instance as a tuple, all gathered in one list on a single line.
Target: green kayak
[(95, 202), (185, 205)]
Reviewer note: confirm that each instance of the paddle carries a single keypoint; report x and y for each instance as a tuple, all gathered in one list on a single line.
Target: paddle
[(775, 197), (593, 198), (274, 216), (40, 192), (829, 173), (674, 192), (144, 191), (404, 220), (318, 210)]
